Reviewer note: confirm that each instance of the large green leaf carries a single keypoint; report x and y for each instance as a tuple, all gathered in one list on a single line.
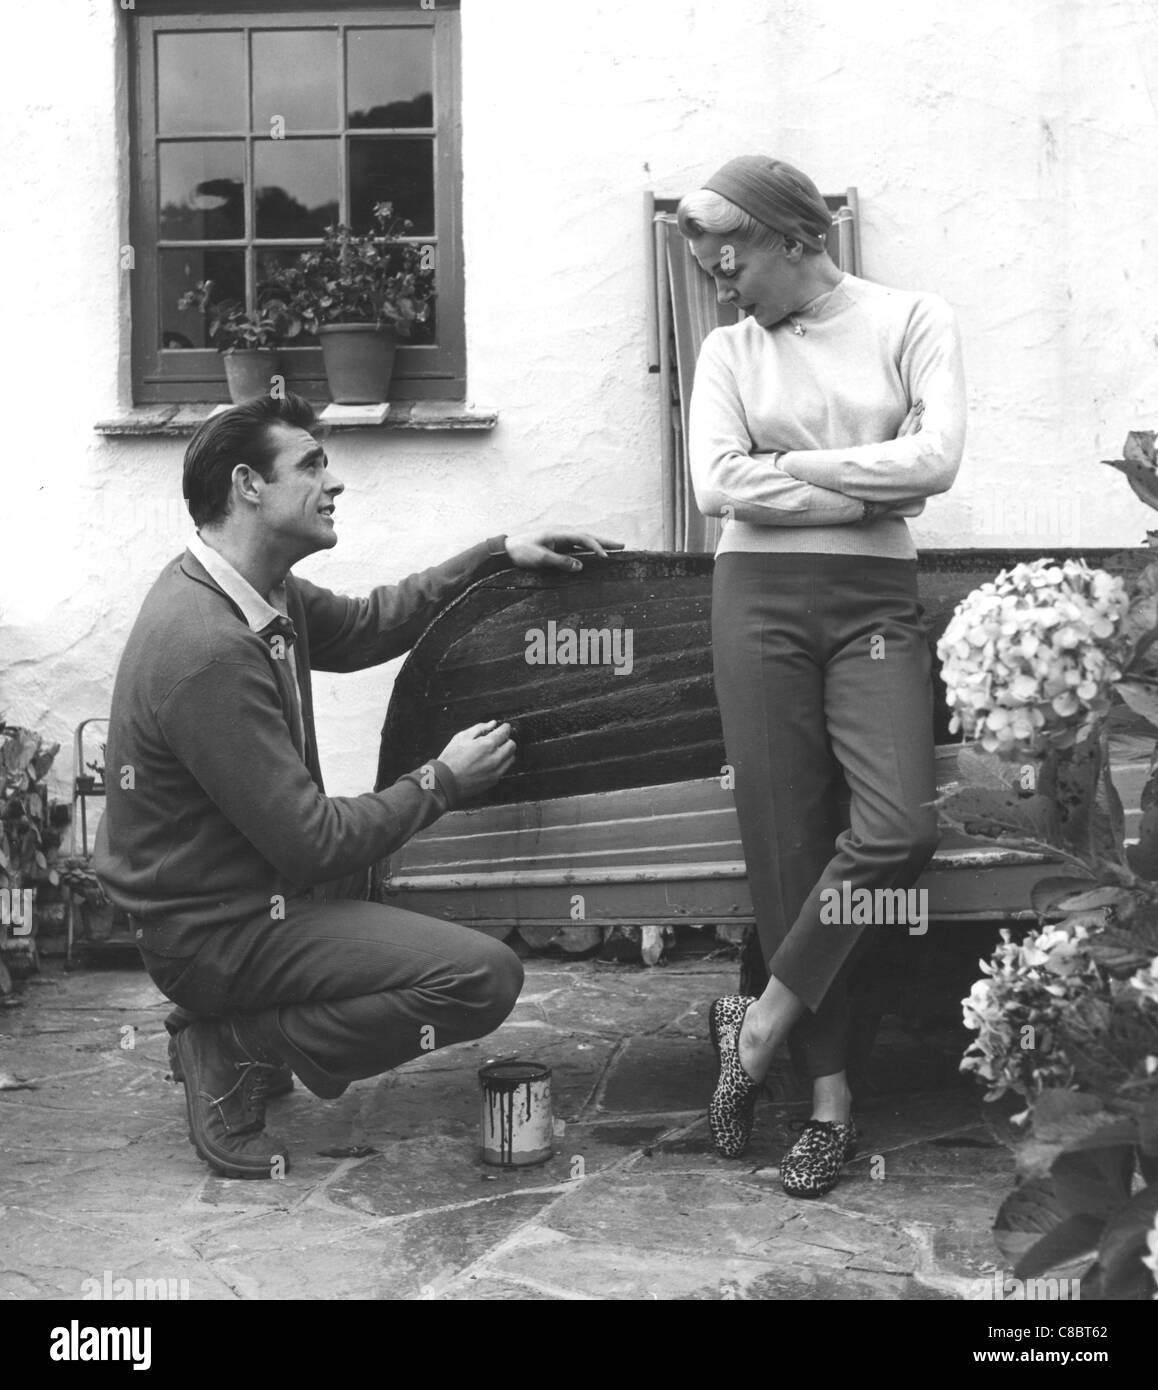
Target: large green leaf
[(1091, 899), (1031, 1210), (977, 768), (1047, 894), (1139, 466), (1140, 624), (1141, 697), (1076, 1235), (1003, 816), (1109, 816), (1079, 1121), (1094, 1183), (1076, 774), (1036, 1157), (1123, 1245), (1068, 1121), (1148, 1140), (1141, 446), (1143, 856)]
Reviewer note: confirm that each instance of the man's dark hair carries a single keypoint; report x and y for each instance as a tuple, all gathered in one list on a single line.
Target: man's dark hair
[(239, 435)]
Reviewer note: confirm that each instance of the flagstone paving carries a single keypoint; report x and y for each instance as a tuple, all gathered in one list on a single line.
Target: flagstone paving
[(98, 1176)]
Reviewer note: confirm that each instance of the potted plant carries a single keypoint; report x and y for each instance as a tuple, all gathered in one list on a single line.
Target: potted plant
[(1040, 664), (31, 830), (247, 338), (360, 294)]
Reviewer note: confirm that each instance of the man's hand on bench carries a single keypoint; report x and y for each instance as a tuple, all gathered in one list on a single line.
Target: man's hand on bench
[(534, 550), (479, 757)]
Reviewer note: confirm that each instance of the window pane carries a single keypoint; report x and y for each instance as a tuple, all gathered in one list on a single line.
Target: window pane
[(389, 77), (183, 270), (202, 187), (200, 83), (295, 76), (296, 186), (393, 171)]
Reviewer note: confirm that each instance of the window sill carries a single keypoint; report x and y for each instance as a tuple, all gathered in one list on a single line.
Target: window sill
[(181, 421)]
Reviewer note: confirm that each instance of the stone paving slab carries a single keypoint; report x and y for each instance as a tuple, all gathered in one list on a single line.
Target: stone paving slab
[(595, 1002), (96, 1172), (271, 1259), (659, 1075)]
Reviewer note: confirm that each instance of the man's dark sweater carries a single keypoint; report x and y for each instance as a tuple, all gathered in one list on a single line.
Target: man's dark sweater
[(213, 807)]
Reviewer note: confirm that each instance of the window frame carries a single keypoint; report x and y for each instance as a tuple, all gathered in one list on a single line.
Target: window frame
[(422, 372)]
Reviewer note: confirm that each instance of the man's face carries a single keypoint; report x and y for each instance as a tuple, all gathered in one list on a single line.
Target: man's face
[(761, 281), (298, 500)]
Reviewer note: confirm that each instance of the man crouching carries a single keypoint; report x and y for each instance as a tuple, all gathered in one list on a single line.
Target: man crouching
[(218, 839)]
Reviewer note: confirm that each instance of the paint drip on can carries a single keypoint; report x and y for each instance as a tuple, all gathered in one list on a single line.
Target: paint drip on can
[(516, 1123)]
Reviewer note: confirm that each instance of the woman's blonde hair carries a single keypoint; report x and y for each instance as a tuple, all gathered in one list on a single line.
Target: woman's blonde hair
[(704, 213)]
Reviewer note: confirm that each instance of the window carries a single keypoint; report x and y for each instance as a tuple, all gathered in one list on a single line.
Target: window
[(255, 129)]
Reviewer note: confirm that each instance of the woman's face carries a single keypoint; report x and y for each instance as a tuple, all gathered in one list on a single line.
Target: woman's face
[(764, 282)]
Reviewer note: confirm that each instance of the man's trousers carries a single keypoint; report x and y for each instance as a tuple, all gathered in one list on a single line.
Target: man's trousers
[(823, 677), (342, 990)]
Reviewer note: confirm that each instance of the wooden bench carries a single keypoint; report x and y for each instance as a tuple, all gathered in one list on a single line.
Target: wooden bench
[(616, 812)]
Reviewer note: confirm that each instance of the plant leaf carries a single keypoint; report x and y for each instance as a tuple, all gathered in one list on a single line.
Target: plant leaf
[(1074, 1236), (1123, 1245), (1094, 898), (1031, 1211), (1141, 476), (977, 768), (1068, 1121), (1148, 1138), (1094, 1182), (1141, 697), (1075, 776), (1002, 815), (1048, 893), (1140, 448)]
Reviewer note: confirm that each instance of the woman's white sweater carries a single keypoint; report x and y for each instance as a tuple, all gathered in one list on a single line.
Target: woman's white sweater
[(827, 389)]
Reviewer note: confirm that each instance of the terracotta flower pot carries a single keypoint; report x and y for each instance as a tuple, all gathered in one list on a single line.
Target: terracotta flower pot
[(248, 372), (359, 360)]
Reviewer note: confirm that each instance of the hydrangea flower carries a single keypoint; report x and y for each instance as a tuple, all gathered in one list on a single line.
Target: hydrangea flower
[(1017, 1010), (1151, 1260), (1028, 659), (1146, 982)]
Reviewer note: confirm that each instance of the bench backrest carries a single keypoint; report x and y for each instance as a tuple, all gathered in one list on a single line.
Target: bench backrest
[(583, 721)]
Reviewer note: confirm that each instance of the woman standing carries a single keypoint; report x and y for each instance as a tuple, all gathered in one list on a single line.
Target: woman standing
[(818, 423)]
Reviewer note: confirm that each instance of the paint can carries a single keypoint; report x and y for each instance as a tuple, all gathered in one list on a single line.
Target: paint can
[(516, 1124)]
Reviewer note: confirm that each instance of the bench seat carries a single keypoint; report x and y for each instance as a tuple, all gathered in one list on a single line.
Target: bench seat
[(616, 795)]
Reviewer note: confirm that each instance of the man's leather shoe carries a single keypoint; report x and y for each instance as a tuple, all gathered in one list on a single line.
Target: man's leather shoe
[(281, 1079), (226, 1086)]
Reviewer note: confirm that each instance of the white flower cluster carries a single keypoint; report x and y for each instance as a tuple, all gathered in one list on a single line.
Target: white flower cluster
[(1146, 982), (1151, 1260), (1029, 658), (1016, 1010)]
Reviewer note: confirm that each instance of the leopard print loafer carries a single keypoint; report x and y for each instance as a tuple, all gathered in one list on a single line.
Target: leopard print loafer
[(812, 1165), (733, 1105)]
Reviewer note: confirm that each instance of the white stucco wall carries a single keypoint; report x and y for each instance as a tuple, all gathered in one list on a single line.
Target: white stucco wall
[(1006, 157)]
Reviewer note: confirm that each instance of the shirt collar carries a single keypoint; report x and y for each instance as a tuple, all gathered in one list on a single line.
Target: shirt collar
[(258, 612)]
